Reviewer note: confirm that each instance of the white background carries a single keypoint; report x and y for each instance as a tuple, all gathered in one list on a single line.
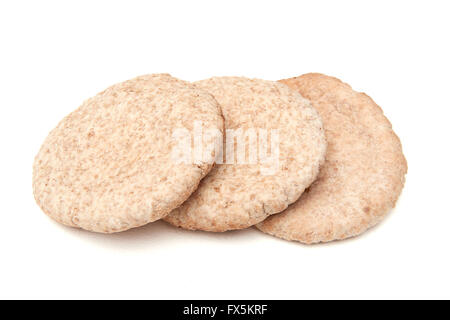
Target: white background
[(55, 54)]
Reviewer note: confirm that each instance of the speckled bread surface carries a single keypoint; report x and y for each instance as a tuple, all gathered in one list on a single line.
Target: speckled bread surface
[(107, 166), (364, 171), (236, 196)]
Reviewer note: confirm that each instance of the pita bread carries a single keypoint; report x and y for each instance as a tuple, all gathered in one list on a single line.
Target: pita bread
[(236, 195), (107, 167), (364, 171)]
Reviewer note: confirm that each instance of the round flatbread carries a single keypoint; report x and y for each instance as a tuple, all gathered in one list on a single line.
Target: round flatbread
[(238, 194), (109, 165), (364, 170)]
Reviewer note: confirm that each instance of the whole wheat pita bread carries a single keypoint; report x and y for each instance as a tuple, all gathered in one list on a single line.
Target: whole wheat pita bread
[(364, 171), (236, 196), (108, 167)]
